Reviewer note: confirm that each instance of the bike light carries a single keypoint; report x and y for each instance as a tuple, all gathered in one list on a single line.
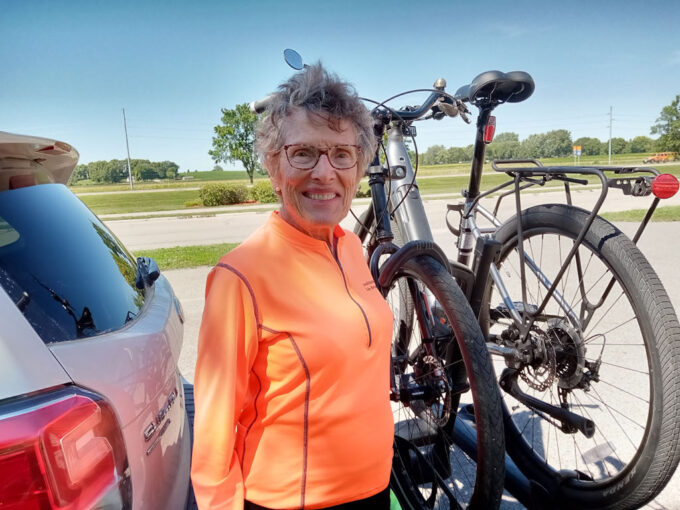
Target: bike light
[(67, 453), (665, 186), (490, 129)]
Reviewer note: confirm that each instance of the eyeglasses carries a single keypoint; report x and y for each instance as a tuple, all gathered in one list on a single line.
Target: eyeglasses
[(305, 157)]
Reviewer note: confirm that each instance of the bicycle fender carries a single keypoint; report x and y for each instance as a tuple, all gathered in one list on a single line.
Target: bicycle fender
[(406, 252)]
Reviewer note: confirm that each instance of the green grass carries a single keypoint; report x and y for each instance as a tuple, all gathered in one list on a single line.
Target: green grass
[(668, 213), (180, 257), (217, 175), (172, 199), (139, 201), (165, 184)]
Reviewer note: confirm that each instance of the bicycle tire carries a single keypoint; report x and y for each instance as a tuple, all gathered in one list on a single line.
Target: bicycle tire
[(424, 432), (634, 338)]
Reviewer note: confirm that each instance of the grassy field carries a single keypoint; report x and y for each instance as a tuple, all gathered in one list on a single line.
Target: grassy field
[(216, 175), (668, 213), (187, 256), (139, 201), (450, 179), (191, 180)]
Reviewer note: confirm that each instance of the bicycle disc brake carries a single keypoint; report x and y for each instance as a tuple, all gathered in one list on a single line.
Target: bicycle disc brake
[(436, 411), (540, 373)]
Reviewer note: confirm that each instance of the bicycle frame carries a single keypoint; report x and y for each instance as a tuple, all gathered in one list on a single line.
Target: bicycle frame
[(412, 221), (478, 259)]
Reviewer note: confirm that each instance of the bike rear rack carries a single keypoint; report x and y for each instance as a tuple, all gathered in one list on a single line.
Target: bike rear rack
[(631, 180), (529, 172)]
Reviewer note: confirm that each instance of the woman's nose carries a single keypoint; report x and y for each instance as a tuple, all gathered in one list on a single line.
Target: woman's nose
[(323, 168)]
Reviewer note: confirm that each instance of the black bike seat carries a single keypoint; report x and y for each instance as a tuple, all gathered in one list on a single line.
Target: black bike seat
[(496, 87)]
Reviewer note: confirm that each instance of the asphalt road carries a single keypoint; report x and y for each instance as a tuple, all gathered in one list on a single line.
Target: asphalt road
[(660, 243)]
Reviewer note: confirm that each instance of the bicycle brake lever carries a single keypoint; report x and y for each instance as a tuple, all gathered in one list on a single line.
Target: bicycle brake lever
[(451, 110), (463, 111)]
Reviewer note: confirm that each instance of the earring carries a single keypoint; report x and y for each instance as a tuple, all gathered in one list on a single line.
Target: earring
[(277, 190)]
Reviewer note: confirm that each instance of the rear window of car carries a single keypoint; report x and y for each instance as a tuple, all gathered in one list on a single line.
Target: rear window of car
[(65, 271)]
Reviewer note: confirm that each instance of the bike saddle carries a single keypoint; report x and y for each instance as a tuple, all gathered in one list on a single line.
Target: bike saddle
[(496, 87)]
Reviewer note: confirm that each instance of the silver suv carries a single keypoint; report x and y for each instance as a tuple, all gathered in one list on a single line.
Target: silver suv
[(92, 410)]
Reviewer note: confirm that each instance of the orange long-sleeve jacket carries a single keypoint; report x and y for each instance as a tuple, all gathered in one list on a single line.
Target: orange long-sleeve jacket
[(292, 375)]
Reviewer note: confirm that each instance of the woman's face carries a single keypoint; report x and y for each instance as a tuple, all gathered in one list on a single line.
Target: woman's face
[(314, 200)]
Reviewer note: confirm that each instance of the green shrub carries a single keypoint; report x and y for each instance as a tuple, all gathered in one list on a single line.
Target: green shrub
[(263, 192), (364, 194), (223, 194)]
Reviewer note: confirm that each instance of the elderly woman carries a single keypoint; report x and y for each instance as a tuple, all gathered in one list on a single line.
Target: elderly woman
[(292, 375)]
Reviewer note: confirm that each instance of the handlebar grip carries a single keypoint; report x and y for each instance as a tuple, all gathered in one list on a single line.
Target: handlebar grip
[(261, 104)]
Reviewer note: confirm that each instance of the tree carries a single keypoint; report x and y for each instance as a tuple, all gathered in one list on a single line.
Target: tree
[(144, 170), (79, 173), (434, 155), (668, 126), (619, 146), (504, 146), (557, 144), (107, 171), (235, 139), (641, 144), (218, 168), (167, 169), (589, 146)]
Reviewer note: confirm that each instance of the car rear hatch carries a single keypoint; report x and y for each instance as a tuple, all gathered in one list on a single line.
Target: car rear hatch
[(97, 329)]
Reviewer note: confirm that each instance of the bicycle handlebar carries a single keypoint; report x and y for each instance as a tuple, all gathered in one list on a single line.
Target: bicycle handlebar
[(419, 111), (261, 104), (439, 102)]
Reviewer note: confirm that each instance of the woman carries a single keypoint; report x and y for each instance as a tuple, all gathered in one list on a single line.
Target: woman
[(292, 374)]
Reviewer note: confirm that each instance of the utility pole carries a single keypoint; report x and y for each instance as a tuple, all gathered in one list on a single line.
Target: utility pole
[(128, 149), (610, 134)]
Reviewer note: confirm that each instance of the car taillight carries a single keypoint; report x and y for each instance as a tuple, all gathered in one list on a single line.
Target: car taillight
[(66, 452), (665, 186)]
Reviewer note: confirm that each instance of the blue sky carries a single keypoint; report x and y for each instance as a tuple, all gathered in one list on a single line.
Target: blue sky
[(71, 66)]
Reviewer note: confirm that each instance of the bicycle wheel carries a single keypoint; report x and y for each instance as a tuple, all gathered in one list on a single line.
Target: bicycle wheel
[(443, 359), (608, 352)]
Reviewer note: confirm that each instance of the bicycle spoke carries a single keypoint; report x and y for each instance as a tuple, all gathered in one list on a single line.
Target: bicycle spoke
[(642, 399), (604, 333)]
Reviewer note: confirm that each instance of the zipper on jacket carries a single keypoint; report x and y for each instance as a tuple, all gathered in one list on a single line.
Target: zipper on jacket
[(344, 280)]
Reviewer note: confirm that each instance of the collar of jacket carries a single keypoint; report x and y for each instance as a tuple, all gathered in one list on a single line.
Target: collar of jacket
[(292, 234)]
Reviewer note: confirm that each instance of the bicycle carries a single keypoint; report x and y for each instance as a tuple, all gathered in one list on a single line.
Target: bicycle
[(439, 357), (565, 366)]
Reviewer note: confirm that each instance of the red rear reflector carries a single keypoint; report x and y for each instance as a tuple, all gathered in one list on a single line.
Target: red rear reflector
[(665, 186), (64, 454), (490, 129)]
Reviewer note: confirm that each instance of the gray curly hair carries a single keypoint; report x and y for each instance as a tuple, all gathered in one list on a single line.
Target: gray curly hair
[(321, 93)]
